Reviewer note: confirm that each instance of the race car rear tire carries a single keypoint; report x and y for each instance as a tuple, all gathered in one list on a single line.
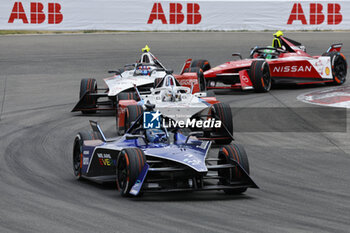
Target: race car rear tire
[(201, 81), (339, 67), (129, 166), (202, 64), (132, 113), (259, 74), (127, 96), (78, 151), (222, 111), (227, 155), (88, 85), (156, 82)]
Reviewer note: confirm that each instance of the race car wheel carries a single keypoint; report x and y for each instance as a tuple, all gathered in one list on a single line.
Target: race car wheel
[(232, 154), (202, 64), (128, 96), (156, 82), (222, 111), (78, 152), (259, 74), (339, 67), (132, 113), (88, 86), (201, 81), (129, 166)]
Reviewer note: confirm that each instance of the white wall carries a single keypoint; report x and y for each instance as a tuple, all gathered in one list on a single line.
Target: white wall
[(207, 15)]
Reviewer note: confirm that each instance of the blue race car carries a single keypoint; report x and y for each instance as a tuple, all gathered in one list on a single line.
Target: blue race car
[(159, 160)]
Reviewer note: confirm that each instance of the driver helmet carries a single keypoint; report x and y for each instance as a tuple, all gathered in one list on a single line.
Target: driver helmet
[(155, 135), (276, 42), (167, 95)]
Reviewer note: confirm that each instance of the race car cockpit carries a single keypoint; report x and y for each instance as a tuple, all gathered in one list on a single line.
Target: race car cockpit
[(280, 43), (147, 63), (156, 136), (171, 90)]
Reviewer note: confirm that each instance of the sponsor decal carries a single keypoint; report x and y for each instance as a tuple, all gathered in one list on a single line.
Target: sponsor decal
[(319, 13), (209, 123), (293, 69), (245, 78), (107, 162), (85, 161), (332, 97), (151, 120), (37, 13), (103, 155), (245, 81), (327, 71), (188, 82), (105, 159), (176, 15)]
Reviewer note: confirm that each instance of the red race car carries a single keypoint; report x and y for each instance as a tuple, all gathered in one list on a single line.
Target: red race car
[(286, 61)]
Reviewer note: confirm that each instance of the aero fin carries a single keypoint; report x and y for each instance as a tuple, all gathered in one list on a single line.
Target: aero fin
[(135, 189), (335, 48), (97, 129), (186, 65)]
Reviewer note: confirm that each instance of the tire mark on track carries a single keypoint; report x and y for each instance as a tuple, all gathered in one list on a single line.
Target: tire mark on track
[(3, 98)]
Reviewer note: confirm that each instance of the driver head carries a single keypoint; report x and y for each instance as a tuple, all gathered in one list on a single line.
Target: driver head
[(167, 95), (155, 135)]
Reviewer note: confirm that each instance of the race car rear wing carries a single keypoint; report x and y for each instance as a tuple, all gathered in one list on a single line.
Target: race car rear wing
[(335, 48), (186, 65)]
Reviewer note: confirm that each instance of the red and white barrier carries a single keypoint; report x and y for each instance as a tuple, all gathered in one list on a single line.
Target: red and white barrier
[(142, 15)]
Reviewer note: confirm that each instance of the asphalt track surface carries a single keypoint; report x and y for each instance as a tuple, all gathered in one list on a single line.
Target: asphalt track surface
[(303, 177)]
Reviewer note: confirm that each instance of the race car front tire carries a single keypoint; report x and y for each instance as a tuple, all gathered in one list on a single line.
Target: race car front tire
[(259, 74), (222, 111), (127, 96), (88, 85), (132, 113), (129, 166), (232, 154), (339, 67)]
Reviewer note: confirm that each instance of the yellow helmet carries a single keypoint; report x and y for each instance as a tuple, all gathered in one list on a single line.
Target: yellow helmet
[(278, 34), (145, 49)]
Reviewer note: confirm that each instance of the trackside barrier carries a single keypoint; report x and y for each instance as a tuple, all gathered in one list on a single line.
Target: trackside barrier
[(142, 15)]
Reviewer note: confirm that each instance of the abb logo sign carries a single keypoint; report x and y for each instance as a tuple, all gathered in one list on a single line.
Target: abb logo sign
[(175, 14), (37, 15), (316, 14)]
